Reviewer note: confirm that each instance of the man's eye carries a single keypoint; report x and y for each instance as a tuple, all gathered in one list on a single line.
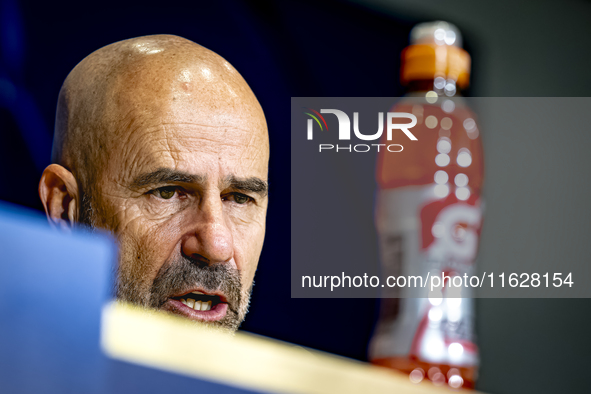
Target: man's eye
[(165, 193), (240, 198)]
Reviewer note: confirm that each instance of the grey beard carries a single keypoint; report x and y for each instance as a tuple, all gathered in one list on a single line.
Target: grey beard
[(181, 274), (184, 274)]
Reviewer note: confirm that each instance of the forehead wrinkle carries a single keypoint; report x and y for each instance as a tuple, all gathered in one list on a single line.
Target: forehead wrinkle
[(141, 131), (158, 145), (247, 131)]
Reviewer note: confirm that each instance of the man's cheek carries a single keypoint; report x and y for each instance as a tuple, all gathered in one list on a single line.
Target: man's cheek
[(248, 245), (246, 223), (150, 245), (137, 222), (117, 213)]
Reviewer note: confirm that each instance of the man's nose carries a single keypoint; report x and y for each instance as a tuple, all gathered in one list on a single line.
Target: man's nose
[(210, 238)]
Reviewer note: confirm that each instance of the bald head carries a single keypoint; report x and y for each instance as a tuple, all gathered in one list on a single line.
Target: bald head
[(161, 142), (113, 91)]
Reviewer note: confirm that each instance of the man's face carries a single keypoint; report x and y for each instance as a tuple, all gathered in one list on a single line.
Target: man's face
[(185, 191)]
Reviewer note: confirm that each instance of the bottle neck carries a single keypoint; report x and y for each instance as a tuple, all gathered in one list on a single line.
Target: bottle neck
[(439, 85)]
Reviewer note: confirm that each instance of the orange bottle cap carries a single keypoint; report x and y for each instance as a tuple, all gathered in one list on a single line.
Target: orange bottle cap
[(435, 51)]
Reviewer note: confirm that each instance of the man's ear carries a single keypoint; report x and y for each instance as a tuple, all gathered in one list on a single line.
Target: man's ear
[(58, 190)]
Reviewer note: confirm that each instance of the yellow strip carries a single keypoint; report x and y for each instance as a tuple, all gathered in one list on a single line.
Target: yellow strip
[(174, 344)]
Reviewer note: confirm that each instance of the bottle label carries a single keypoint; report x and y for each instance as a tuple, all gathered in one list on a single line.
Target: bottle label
[(423, 235)]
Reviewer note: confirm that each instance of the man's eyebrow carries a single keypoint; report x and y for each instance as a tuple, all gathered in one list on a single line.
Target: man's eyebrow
[(252, 184), (165, 175)]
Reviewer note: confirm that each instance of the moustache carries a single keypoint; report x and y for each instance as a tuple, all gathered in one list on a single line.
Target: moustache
[(184, 274)]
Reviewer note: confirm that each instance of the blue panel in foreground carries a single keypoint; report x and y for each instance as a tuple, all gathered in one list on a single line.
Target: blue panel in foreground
[(52, 290)]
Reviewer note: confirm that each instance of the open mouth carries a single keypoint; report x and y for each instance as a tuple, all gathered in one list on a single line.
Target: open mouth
[(199, 301), (199, 306)]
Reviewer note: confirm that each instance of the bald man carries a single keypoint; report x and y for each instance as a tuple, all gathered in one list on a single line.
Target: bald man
[(161, 142)]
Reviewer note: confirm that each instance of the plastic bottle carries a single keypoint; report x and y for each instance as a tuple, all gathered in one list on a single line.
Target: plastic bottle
[(429, 215)]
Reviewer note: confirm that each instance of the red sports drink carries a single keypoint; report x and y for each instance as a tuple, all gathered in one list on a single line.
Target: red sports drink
[(429, 215)]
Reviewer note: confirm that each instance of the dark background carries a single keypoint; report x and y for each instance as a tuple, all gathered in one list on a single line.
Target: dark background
[(320, 48)]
